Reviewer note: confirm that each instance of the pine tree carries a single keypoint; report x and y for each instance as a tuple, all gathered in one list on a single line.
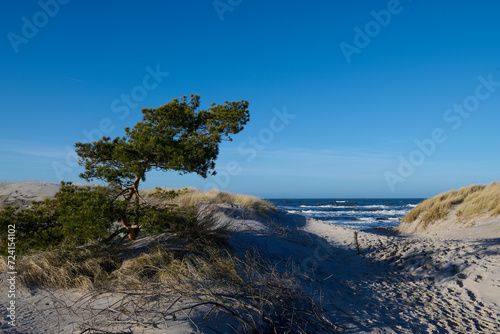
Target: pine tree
[(176, 137)]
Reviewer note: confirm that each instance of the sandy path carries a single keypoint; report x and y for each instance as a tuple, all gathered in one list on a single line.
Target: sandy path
[(452, 285), (417, 284)]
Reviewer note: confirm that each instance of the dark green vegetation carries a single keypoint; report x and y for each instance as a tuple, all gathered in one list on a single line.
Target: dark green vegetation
[(81, 215)]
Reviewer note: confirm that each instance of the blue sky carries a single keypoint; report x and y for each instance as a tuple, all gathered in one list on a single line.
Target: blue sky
[(347, 99)]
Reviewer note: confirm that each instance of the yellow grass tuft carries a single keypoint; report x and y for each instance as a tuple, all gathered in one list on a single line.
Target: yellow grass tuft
[(194, 197), (484, 202), (63, 268), (146, 266), (182, 271), (469, 202)]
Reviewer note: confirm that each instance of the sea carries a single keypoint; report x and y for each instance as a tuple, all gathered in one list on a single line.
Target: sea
[(357, 214)]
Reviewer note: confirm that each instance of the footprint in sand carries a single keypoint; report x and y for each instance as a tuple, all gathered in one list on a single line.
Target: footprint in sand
[(452, 324), (472, 296)]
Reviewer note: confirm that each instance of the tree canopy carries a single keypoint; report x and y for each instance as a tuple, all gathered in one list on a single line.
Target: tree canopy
[(176, 136)]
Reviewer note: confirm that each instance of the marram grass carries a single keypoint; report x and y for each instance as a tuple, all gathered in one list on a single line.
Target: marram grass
[(484, 202), (469, 202), (81, 268), (195, 197)]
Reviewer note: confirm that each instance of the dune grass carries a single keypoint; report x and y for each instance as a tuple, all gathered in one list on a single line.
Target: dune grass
[(469, 202), (81, 268), (484, 202), (261, 296), (194, 197)]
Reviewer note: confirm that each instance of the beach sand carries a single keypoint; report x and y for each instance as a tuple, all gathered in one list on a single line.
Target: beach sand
[(440, 281)]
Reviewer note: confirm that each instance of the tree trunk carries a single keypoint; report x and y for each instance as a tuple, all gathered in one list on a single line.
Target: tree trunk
[(132, 229)]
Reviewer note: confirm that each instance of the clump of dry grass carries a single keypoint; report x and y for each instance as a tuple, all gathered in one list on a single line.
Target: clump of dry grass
[(262, 297), (82, 268), (162, 265), (438, 206), (195, 197), (145, 266), (468, 201), (484, 202)]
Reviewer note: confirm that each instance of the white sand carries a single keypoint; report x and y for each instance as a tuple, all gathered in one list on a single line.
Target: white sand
[(445, 281)]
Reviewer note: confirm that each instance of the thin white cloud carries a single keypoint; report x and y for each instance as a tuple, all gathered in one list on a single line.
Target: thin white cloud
[(32, 149)]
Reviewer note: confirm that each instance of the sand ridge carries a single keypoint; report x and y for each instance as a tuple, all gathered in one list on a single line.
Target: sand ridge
[(23, 193), (443, 281)]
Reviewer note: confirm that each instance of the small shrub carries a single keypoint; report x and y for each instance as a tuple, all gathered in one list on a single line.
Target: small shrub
[(36, 227), (85, 213), (75, 216), (155, 220)]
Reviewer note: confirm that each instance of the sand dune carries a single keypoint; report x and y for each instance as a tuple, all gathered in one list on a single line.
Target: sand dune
[(23, 193), (432, 282)]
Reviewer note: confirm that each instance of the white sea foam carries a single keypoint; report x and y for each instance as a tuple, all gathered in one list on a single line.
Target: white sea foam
[(357, 214), (375, 206), (392, 212), (326, 206), (359, 207)]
